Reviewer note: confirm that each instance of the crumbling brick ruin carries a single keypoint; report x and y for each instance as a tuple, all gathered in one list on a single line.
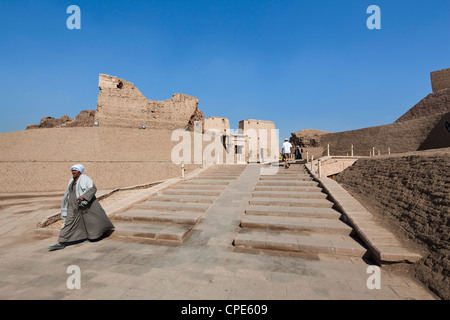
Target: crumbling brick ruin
[(120, 104), (84, 119)]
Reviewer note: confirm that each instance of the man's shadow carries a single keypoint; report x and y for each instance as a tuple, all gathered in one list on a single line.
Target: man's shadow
[(103, 236)]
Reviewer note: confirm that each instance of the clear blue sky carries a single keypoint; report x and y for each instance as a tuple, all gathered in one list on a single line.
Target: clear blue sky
[(302, 64)]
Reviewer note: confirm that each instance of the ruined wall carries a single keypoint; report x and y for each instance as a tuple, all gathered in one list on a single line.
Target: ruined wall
[(84, 119), (307, 138), (121, 104), (412, 194), (440, 79)]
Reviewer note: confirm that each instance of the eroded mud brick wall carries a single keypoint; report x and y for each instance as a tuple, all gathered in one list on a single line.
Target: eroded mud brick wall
[(40, 160), (400, 137), (120, 104), (440, 79)]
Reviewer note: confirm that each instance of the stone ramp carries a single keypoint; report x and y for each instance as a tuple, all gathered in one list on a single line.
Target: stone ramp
[(288, 211), (169, 216), (384, 246)]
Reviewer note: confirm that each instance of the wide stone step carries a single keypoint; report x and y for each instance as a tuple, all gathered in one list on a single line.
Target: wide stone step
[(228, 167), (222, 173), (294, 165), (293, 169), (296, 224), (218, 177), (154, 232), (324, 213), (312, 243), (282, 174), (193, 191), (179, 217), (184, 198), (319, 203), (209, 181), (287, 177), (187, 186), (289, 188), (287, 183), (173, 206), (291, 194)]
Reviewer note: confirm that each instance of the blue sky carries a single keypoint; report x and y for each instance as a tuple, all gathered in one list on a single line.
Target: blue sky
[(301, 64)]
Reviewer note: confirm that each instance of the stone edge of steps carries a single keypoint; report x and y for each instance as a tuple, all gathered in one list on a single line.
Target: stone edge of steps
[(364, 224)]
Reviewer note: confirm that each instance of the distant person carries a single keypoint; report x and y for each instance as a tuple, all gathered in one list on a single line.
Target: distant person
[(286, 150), (84, 217), (298, 153)]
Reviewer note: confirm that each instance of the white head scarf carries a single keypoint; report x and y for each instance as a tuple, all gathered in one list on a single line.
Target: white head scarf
[(78, 167)]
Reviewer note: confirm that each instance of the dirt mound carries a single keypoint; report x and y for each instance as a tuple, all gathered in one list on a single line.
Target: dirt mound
[(84, 119), (307, 138), (411, 194)]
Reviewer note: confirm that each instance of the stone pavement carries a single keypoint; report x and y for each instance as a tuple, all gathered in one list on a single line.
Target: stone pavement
[(206, 265)]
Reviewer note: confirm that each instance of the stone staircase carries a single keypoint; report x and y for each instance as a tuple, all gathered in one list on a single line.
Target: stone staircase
[(169, 216), (288, 211)]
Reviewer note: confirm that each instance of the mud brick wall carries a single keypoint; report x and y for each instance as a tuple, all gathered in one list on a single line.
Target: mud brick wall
[(433, 104), (40, 160), (44, 176), (412, 192), (400, 137), (440, 79)]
